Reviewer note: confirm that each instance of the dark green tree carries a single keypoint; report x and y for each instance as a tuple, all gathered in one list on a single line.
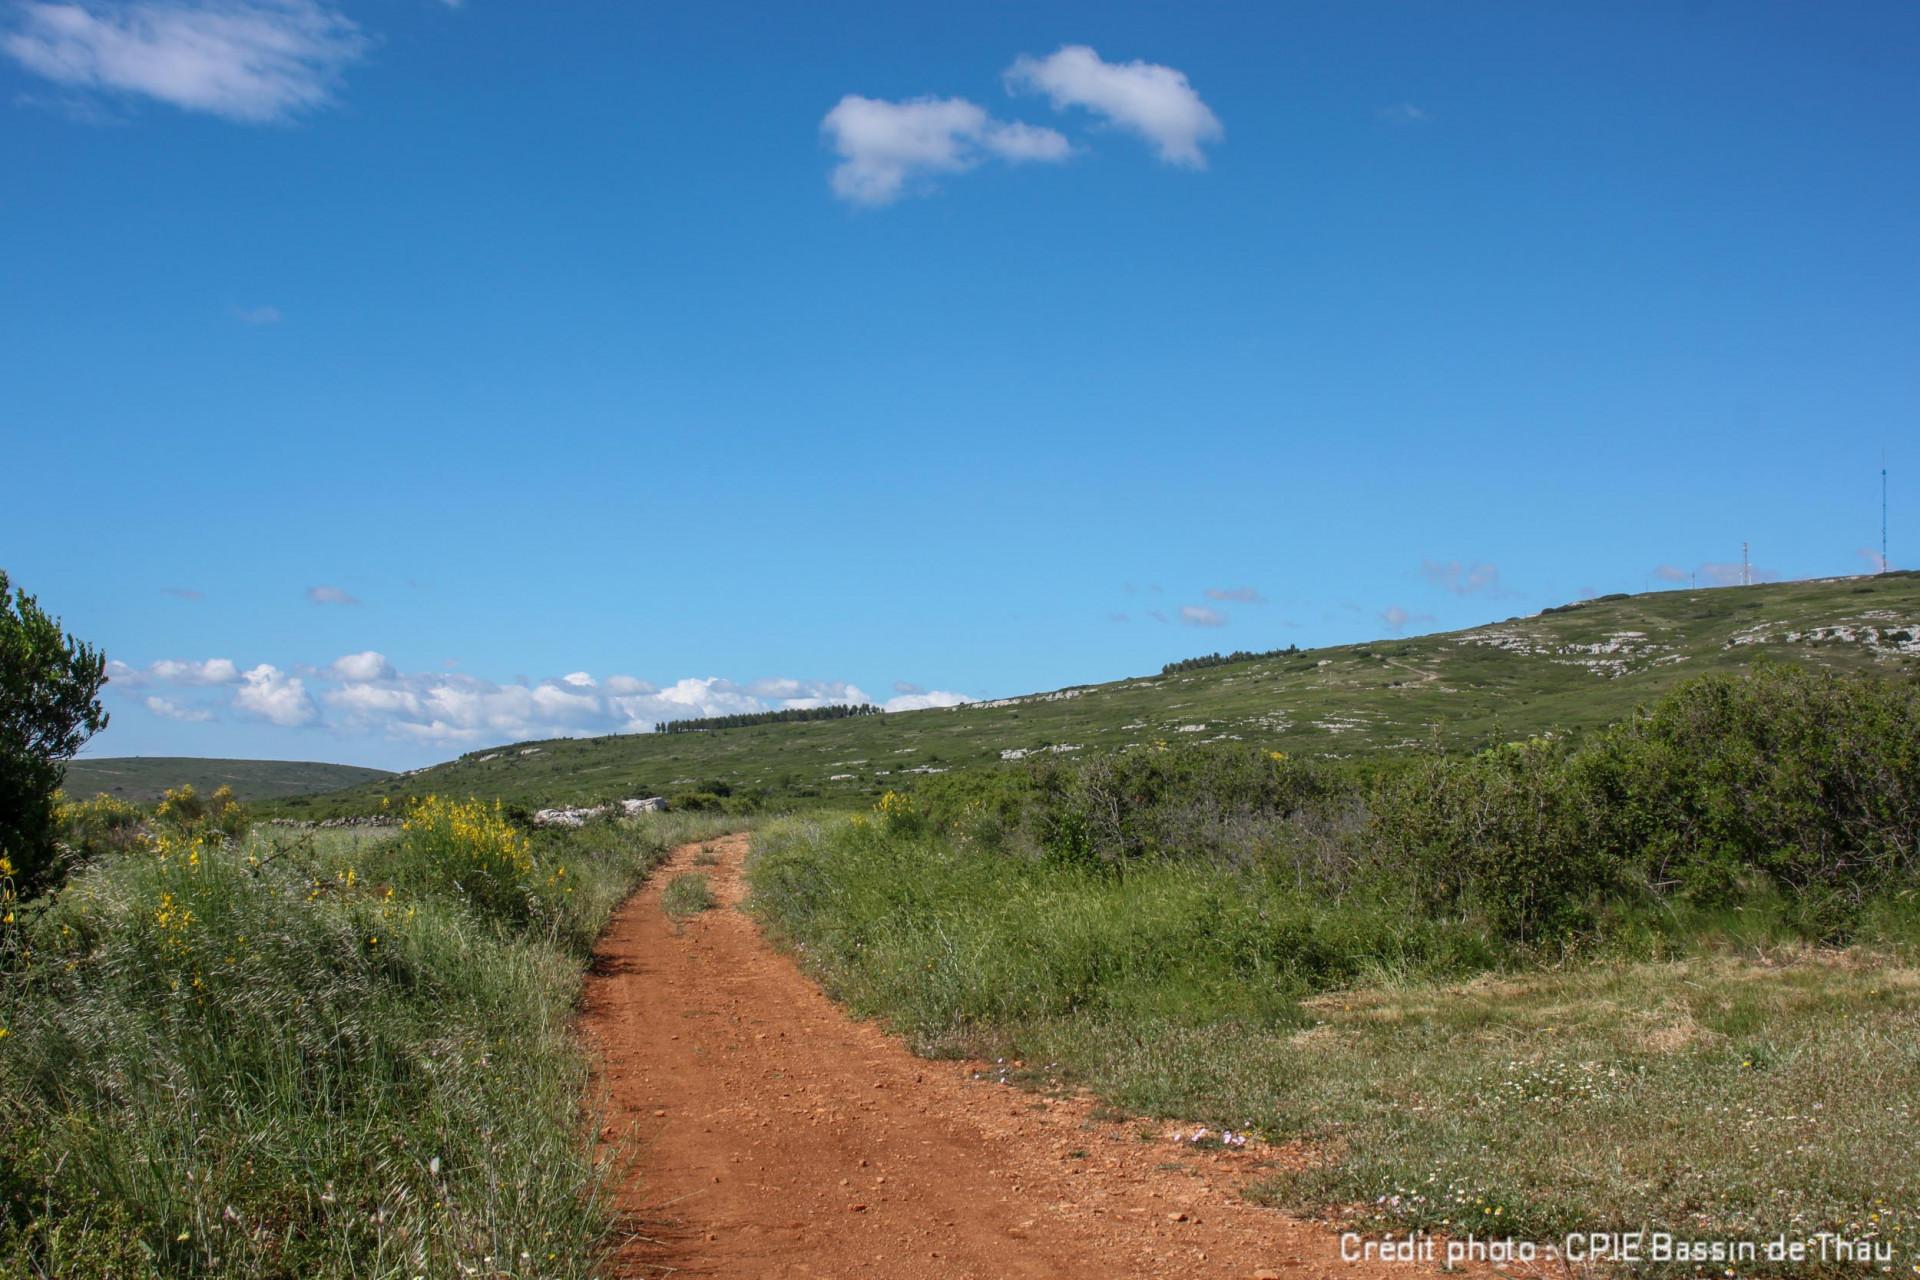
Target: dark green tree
[(49, 705)]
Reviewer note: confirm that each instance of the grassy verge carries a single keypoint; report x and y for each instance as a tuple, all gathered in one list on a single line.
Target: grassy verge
[(311, 1054), (687, 895), (1711, 1077)]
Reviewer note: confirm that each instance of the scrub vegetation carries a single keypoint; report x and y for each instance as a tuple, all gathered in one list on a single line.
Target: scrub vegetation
[(307, 1053), (1662, 977)]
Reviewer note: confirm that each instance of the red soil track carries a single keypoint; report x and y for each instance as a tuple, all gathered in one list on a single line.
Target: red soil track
[(777, 1137)]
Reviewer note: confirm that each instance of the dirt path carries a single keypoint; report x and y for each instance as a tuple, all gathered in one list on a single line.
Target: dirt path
[(780, 1138)]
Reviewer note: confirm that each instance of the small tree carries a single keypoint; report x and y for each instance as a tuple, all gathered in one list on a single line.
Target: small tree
[(49, 705)]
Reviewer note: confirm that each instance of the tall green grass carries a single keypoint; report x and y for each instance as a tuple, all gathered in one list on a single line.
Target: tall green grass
[(311, 1054), (1704, 1070)]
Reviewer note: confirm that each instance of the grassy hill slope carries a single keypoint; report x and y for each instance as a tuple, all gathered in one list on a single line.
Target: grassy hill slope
[(1563, 670), (142, 779)]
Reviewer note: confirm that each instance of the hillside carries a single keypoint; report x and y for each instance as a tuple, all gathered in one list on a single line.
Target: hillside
[(1563, 670), (142, 779)]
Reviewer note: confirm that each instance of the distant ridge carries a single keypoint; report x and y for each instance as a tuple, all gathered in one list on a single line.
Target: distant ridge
[(143, 779), (1563, 670)]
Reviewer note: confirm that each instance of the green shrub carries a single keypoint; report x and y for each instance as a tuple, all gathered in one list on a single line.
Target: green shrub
[(49, 706)]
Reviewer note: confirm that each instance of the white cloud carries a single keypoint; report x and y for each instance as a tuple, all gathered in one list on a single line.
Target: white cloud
[(272, 694), (362, 666), (174, 711), (257, 316), (922, 701), (1153, 101), (1671, 573), (627, 685), (330, 595), (1245, 595), (579, 680), (884, 146), (1876, 563), (1198, 615), (212, 671), (248, 60)]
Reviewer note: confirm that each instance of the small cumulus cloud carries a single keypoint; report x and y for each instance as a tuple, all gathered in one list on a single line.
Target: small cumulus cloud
[(1403, 113), (362, 666), (1244, 595), (888, 149), (253, 61), (1198, 615), (1153, 101), (270, 694), (167, 709), (330, 595), (1462, 580), (257, 317)]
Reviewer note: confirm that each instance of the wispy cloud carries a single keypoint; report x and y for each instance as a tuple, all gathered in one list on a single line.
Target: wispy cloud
[(889, 149), (176, 672), (257, 317), (1153, 101), (1403, 113), (1876, 563), (1198, 615), (330, 595), (183, 593), (1244, 595), (1671, 573), (1462, 580), (1399, 619), (254, 61)]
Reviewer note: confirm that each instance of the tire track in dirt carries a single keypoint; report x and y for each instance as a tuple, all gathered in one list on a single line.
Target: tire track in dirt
[(777, 1137)]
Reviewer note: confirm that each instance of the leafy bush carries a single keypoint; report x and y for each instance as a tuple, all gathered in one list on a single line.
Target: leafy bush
[(49, 705), (470, 850), (100, 826), (1798, 782), (186, 812)]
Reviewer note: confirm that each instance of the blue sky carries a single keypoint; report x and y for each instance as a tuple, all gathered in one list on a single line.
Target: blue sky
[(382, 380)]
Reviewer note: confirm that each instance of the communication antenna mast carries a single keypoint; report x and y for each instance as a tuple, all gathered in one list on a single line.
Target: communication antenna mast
[(1883, 511), (1746, 574)]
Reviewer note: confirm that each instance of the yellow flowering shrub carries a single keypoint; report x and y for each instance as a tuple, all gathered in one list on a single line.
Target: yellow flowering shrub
[(469, 846)]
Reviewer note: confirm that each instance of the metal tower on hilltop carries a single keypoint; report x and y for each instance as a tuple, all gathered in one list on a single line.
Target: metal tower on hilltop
[(1883, 511)]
